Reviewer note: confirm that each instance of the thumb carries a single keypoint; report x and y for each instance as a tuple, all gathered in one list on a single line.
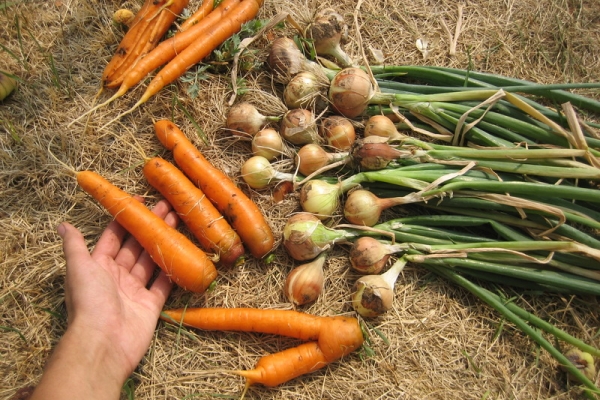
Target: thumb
[(74, 245)]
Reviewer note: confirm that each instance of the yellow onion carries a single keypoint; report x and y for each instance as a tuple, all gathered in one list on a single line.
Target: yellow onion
[(268, 143), (350, 92), (368, 255), (373, 295), (583, 361), (328, 31), (380, 125), (258, 173), (243, 119), (312, 157), (305, 283), (304, 90), (320, 198), (374, 155), (7, 85), (364, 208), (286, 60), (305, 236), (298, 126), (123, 16), (338, 131)]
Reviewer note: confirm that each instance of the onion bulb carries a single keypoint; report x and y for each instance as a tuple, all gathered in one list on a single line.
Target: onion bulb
[(368, 255), (298, 126), (304, 90), (328, 31), (320, 198), (312, 157), (305, 283), (364, 208), (123, 16), (338, 132), (380, 125), (373, 295), (7, 85), (350, 92), (375, 155), (243, 119), (268, 143), (286, 60), (305, 236), (583, 361), (258, 173)]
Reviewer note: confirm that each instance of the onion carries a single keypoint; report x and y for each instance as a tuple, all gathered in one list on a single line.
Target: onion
[(583, 361), (375, 155), (350, 92), (286, 60), (258, 173), (364, 208), (304, 90), (338, 132), (268, 143), (305, 283), (298, 126), (123, 16), (368, 255), (312, 157), (243, 119), (320, 198), (7, 85), (374, 294), (327, 32), (305, 236), (380, 125)]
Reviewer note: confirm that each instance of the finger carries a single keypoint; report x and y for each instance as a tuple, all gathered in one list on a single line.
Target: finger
[(161, 287), (131, 249), (144, 266)]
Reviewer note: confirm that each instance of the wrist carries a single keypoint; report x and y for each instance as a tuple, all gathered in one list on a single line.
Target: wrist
[(85, 364)]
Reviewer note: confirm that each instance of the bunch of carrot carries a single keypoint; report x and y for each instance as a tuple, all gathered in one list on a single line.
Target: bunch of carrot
[(327, 339), (139, 53), (200, 201)]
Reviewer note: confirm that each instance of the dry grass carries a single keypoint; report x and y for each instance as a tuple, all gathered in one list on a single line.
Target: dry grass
[(443, 343)]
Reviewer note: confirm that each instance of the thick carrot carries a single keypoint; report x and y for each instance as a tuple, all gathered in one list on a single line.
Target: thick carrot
[(149, 39), (197, 212), (184, 263), (328, 338), (243, 214), (201, 47), (205, 8)]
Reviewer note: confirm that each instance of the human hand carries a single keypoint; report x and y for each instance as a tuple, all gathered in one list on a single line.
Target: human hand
[(106, 292)]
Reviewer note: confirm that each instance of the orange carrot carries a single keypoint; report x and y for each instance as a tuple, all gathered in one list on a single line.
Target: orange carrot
[(160, 22), (205, 8), (197, 212), (328, 338), (173, 252), (243, 214), (201, 47)]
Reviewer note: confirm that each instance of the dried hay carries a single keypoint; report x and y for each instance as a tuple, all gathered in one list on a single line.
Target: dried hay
[(443, 343)]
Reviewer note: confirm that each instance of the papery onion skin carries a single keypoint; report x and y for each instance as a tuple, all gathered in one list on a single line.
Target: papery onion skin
[(257, 172), (297, 236), (298, 126), (268, 143), (305, 283), (243, 119), (320, 198), (310, 158), (362, 208), (350, 92), (328, 31), (368, 255), (374, 156), (380, 125), (338, 132), (372, 296), (286, 60), (303, 91)]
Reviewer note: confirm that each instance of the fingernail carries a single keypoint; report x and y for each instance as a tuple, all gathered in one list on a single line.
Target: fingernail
[(61, 229)]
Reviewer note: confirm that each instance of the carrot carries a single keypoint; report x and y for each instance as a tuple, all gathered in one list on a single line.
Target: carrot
[(164, 52), (185, 264), (148, 40), (243, 214), (197, 212), (328, 338), (205, 8), (201, 47)]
